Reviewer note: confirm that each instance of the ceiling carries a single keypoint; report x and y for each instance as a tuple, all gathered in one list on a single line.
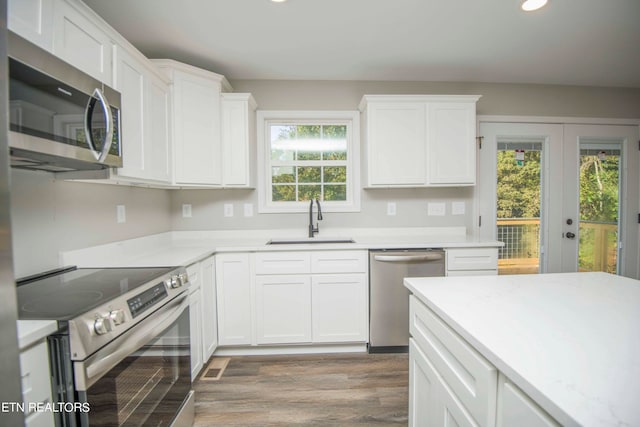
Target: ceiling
[(573, 42)]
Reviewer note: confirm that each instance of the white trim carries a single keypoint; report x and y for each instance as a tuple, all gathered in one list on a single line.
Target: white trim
[(556, 120), (353, 159), (290, 349)]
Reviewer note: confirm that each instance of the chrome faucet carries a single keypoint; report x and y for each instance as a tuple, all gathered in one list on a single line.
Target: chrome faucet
[(313, 230)]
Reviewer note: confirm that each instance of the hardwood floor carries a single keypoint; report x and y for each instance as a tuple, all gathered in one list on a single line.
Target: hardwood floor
[(319, 390)]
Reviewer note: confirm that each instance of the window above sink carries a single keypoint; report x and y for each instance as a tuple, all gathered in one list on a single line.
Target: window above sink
[(304, 155)]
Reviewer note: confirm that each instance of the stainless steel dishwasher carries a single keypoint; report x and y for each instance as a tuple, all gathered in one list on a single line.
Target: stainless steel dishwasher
[(389, 299)]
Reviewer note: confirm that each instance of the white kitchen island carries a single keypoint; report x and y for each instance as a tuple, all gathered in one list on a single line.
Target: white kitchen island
[(553, 349)]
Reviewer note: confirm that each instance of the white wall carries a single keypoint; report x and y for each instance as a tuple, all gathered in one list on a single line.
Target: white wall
[(208, 210), (49, 216)]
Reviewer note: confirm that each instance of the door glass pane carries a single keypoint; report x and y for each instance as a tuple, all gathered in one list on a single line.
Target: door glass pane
[(599, 207), (519, 190)]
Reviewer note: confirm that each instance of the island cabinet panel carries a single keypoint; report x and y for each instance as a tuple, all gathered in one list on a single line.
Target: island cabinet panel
[(515, 408), (234, 296), (283, 309), (470, 378)]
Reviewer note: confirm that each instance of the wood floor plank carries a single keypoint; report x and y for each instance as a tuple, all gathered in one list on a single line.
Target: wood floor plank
[(316, 390)]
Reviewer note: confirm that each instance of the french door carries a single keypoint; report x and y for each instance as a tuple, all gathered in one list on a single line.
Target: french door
[(562, 197)]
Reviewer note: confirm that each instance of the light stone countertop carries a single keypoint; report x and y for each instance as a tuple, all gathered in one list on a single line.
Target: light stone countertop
[(182, 248), (32, 331), (570, 341)]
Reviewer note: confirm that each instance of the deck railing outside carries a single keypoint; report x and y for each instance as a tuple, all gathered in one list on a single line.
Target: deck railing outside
[(521, 252)]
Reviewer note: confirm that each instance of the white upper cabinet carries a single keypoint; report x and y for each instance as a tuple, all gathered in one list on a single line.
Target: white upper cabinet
[(196, 123), (80, 41), (396, 143), (32, 20), (145, 118), (238, 139), (419, 140)]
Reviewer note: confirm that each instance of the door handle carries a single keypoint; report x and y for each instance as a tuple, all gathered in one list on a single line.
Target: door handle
[(570, 235)]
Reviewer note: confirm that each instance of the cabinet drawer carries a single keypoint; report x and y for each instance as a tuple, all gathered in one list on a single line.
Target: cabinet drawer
[(472, 259), (454, 273), (34, 367), (333, 262), (283, 263), (470, 376)]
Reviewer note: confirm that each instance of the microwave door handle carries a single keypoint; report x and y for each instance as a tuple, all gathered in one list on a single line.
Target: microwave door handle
[(91, 370), (108, 117)]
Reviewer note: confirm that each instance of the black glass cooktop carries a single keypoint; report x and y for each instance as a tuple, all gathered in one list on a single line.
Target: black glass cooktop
[(68, 294)]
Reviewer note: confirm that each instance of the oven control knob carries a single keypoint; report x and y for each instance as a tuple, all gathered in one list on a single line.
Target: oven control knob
[(183, 279), (102, 325), (117, 317)]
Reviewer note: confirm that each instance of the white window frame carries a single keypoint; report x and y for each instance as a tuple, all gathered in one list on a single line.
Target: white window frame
[(350, 118)]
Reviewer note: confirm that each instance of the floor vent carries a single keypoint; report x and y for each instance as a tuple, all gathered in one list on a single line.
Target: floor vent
[(215, 369)]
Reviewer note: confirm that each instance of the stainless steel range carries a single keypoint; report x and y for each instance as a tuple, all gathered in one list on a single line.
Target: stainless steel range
[(121, 356)]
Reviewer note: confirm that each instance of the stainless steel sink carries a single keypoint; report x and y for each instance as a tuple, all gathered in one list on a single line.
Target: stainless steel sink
[(309, 240)]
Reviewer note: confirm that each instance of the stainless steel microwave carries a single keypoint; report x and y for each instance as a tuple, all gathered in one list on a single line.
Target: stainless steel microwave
[(60, 119)]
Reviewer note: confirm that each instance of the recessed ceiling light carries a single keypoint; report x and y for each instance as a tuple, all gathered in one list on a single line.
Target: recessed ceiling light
[(531, 5), (278, 1)]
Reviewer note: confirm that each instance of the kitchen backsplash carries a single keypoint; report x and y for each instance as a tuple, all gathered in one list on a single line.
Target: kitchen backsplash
[(49, 216), (411, 205)]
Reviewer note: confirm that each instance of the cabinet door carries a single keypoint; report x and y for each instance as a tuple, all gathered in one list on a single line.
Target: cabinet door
[(451, 143), (339, 308), (283, 309), (396, 144), (32, 20), (81, 43), (516, 409), (36, 383), (157, 152), (195, 327), (238, 119), (234, 298), (209, 311), (197, 130), (423, 389), (129, 80)]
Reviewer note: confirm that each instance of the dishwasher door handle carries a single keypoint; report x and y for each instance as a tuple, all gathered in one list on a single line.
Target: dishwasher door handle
[(408, 258)]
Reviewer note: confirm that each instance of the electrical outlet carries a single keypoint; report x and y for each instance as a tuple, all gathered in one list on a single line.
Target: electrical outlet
[(457, 208), (186, 211), (248, 209), (228, 210), (436, 209), (391, 208), (121, 214)]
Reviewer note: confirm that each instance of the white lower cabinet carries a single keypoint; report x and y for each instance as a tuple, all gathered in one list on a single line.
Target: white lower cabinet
[(339, 307), (234, 283), (283, 309), (195, 328), (451, 384), (209, 308), (36, 383), (301, 297), (515, 408), (472, 261)]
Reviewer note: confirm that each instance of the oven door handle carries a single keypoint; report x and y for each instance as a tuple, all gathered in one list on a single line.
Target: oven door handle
[(92, 369)]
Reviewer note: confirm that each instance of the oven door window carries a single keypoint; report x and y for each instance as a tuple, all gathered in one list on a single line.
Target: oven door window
[(149, 386)]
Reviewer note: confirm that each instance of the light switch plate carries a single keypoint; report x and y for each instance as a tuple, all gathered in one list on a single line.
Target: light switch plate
[(436, 209), (457, 208), (391, 208), (248, 209), (228, 210), (121, 214), (186, 211)]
